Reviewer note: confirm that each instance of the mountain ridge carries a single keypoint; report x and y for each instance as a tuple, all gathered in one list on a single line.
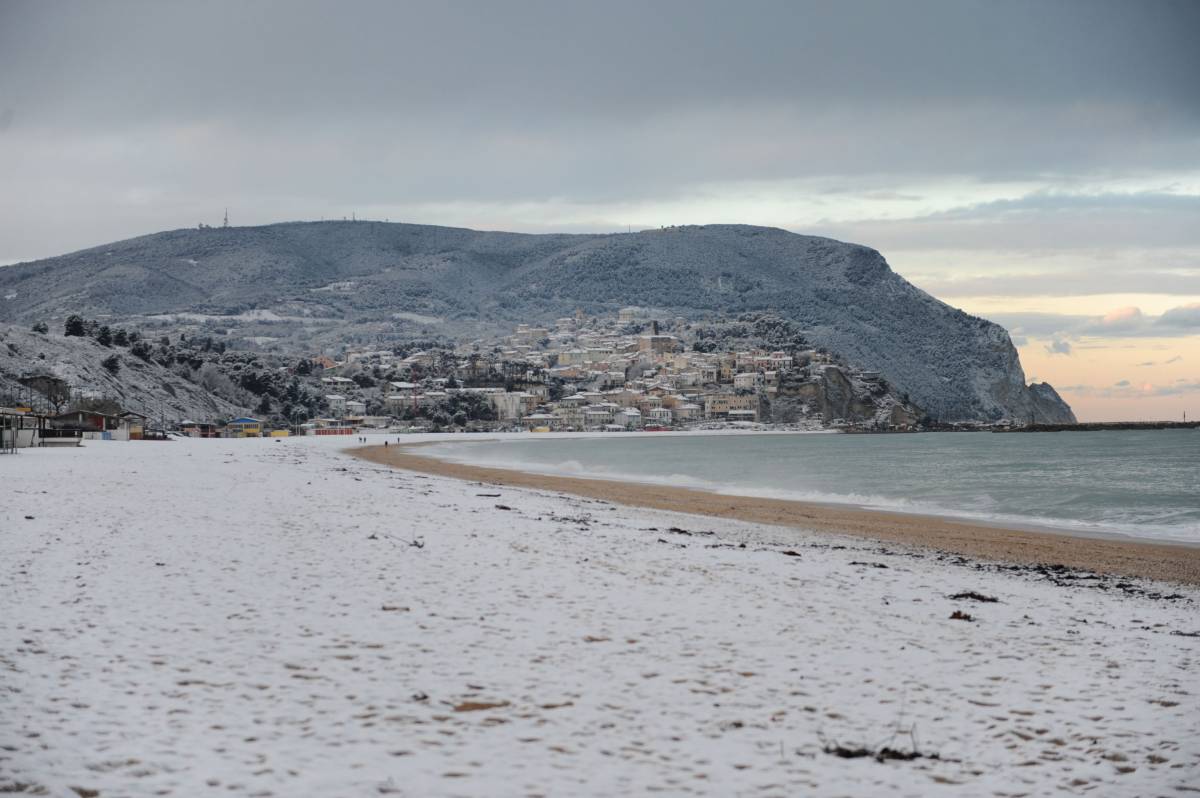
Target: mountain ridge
[(335, 279)]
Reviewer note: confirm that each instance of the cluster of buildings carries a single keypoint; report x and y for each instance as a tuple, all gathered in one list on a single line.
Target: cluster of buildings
[(21, 427), (579, 375), (246, 427)]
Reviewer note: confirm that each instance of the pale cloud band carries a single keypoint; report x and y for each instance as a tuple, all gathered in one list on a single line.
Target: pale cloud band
[(1126, 322)]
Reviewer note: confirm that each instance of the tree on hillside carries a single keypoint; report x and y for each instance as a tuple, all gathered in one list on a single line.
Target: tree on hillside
[(291, 394), (103, 404), (112, 363), (142, 350), (56, 390), (74, 326), (120, 337), (104, 336)]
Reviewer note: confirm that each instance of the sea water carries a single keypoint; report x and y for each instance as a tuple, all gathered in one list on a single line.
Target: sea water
[(1143, 484)]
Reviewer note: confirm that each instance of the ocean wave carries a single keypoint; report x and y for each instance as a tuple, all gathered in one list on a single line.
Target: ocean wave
[(1066, 510)]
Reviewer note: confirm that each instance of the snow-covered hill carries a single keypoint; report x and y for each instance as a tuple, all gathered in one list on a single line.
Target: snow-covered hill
[(131, 382), (338, 280)]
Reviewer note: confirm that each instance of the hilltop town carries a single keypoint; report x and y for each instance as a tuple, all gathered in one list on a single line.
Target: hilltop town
[(624, 373), (281, 292), (582, 373)]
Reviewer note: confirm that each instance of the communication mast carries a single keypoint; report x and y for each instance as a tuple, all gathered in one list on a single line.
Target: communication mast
[(226, 222)]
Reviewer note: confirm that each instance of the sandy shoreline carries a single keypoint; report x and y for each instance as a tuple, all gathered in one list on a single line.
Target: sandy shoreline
[(1163, 561)]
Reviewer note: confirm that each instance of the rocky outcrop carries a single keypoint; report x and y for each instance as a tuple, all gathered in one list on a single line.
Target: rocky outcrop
[(830, 393), (1047, 407)]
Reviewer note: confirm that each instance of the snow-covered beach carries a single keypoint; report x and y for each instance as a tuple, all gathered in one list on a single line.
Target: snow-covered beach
[(258, 617)]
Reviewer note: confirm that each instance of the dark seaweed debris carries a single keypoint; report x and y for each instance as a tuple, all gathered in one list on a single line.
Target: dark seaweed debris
[(971, 595)]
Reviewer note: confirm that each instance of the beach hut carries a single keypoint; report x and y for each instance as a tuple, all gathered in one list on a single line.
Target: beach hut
[(243, 428)]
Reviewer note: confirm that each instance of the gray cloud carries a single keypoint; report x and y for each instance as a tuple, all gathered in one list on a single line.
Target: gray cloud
[(1059, 347), (1126, 390), (1118, 278), (1186, 317), (1040, 325), (620, 58), (1121, 323), (1045, 221), (126, 117)]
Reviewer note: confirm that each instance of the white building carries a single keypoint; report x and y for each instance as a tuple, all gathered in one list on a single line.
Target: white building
[(337, 404), (509, 405), (629, 418)]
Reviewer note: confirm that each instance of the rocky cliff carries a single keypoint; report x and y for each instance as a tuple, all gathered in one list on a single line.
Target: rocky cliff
[(832, 393)]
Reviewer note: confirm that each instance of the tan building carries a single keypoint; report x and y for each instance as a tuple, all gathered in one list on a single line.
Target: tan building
[(657, 343), (719, 405), (626, 315), (570, 416), (748, 380)]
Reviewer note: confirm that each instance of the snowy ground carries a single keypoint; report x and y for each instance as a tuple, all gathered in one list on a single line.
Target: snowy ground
[(251, 618)]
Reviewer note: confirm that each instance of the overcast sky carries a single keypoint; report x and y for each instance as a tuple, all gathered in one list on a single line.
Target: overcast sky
[(1034, 162)]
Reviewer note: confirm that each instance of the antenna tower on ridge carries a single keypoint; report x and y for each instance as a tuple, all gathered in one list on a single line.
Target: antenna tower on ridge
[(226, 222)]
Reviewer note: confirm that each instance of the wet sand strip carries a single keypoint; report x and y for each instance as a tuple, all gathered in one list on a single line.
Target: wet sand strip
[(1164, 561)]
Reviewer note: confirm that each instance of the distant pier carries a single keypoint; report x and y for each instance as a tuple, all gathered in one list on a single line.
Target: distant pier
[(1102, 426)]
